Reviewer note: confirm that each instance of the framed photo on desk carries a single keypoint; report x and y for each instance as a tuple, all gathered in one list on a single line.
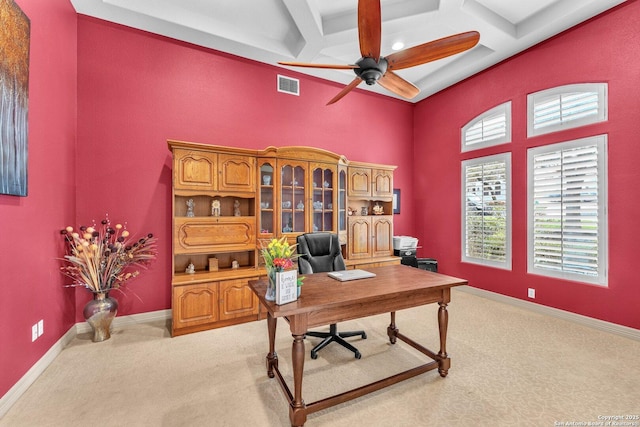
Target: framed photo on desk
[(286, 286)]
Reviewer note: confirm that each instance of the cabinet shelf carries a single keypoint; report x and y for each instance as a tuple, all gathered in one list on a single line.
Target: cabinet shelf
[(214, 276)]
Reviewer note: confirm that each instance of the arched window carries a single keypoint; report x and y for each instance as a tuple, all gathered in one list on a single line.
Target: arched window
[(566, 107), (490, 128)]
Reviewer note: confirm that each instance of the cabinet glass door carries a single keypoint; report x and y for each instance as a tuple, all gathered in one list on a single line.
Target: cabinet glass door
[(323, 183), (292, 198), (267, 200), (342, 200)]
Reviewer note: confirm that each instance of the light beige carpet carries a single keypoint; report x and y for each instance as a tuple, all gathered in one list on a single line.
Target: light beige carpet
[(510, 367)]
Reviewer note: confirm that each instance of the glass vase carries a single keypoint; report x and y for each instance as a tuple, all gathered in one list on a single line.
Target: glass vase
[(271, 287), (99, 313)]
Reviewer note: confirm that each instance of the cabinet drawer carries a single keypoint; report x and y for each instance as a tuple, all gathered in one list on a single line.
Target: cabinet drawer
[(199, 235)]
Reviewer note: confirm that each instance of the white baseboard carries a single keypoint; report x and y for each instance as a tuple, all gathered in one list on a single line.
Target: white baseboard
[(613, 328), (38, 368)]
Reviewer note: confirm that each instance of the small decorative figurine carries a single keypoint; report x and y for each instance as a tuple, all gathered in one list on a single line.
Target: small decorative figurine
[(215, 207), (351, 211), (236, 208), (190, 205), (234, 264), (190, 269), (378, 209), (266, 179)]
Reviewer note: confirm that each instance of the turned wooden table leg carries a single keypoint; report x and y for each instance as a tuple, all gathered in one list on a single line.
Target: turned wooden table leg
[(297, 410), (443, 319), (392, 331), (272, 356)]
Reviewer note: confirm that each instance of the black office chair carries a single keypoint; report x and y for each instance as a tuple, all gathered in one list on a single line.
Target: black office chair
[(320, 252)]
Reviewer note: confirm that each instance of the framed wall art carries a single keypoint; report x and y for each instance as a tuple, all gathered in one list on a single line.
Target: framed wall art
[(15, 30), (396, 200)]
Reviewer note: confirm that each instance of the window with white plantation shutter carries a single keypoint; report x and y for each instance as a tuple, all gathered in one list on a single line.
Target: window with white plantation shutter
[(566, 107), (567, 216), (486, 211), (490, 128)]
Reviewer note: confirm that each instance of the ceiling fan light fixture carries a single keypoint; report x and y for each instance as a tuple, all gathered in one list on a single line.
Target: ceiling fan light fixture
[(371, 70), (397, 45)]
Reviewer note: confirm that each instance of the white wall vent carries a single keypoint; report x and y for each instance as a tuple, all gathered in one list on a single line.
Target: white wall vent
[(288, 85)]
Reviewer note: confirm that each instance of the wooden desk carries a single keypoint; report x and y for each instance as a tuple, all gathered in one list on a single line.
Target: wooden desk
[(325, 301)]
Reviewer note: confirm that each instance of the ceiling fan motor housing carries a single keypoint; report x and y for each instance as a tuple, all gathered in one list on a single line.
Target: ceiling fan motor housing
[(370, 70)]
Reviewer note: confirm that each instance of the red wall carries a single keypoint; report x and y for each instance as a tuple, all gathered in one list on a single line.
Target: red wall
[(604, 49), (136, 90), (30, 284)]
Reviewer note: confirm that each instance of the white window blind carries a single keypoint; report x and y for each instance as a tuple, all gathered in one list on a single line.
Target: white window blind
[(486, 206), (566, 107), (567, 214), (492, 127)]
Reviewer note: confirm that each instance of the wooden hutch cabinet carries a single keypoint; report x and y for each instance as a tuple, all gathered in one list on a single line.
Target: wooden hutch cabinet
[(226, 201)]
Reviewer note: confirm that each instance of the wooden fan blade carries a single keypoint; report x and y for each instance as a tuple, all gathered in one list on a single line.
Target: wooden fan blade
[(369, 28), (396, 84), (345, 91), (432, 51), (331, 66)]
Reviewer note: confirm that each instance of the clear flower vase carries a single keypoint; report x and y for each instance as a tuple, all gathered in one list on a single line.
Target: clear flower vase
[(271, 287)]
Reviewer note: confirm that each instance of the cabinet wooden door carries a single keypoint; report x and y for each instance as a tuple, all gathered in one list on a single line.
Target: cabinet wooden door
[(237, 299), (195, 170), (195, 305), (237, 173), (359, 182), (382, 183), (359, 238), (382, 239)]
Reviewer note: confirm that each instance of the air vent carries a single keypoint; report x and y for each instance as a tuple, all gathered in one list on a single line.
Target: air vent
[(288, 85)]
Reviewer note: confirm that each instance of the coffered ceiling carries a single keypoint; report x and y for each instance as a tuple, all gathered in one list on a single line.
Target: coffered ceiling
[(325, 31)]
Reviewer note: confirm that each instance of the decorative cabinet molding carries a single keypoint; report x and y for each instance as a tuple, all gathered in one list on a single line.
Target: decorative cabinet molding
[(226, 200)]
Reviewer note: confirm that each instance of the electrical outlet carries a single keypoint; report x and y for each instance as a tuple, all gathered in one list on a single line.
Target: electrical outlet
[(40, 327), (531, 293), (34, 332)]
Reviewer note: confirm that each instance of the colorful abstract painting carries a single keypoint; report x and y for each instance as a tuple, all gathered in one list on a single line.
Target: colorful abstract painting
[(15, 30)]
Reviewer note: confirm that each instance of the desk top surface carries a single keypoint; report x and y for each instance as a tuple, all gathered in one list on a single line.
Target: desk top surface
[(320, 292)]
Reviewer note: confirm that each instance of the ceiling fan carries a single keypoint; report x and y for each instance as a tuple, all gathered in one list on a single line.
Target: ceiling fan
[(373, 68)]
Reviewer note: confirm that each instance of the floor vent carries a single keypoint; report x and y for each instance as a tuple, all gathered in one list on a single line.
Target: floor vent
[(288, 85)]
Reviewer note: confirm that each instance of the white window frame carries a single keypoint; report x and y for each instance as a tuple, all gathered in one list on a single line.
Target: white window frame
[(600, 278), (500, 110), (506, 159), (560, 92)]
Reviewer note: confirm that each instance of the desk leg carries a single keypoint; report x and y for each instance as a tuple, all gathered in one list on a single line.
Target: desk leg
[(297, 410), (272, 356), (443, 319), (392, 331)]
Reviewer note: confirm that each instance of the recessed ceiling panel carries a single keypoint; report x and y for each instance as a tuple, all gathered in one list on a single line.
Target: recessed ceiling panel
[(325, 31)]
